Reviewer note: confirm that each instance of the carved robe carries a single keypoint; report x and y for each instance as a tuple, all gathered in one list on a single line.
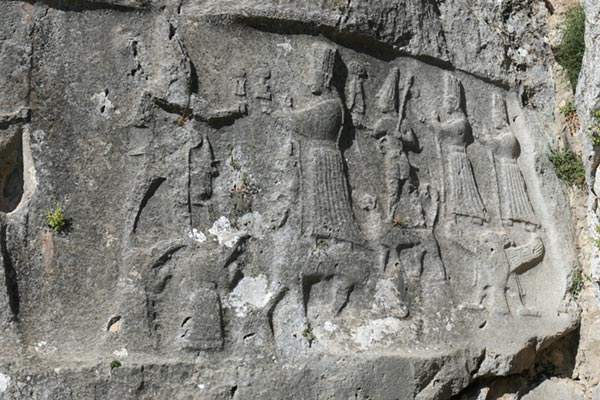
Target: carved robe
[(463, 197), (327, 210), (514, 201)]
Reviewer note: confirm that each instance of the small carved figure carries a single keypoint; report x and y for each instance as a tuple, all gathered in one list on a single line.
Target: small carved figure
[(520, 260), (240, 83), (504, 259), (355, 92), (454, 132), (263, 89), (512, 191)]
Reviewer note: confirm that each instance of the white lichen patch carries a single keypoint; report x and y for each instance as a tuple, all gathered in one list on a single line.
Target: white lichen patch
[(123, 353), (225, 234), (330, 326), (102, 103), (4, 382), (250, 292), (286, 46), (197, 236), (253, 224), (375, 332)]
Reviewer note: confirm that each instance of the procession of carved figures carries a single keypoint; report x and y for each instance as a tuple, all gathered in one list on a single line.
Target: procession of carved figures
[(339, 258)]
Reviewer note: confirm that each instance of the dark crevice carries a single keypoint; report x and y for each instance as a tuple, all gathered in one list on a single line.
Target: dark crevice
[(232, 391), (346, 301), (154, 185), (193, 78), (494, 82), (549, 6), (166, 256), (88, 5), (172, 31), (10, 276), (21, 117), (557, 360), (358, 42), (308, 281), (112, 321)]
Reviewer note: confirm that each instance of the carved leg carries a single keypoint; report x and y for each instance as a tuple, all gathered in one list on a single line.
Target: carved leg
[(393, 184), (342, 288)]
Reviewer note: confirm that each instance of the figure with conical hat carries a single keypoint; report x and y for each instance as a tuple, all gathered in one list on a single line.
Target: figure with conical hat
[(355, 92), (394, 141), (514, 201), (454, 132), (327, 210)]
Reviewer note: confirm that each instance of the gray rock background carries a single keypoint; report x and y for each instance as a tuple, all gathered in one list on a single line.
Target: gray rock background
[(195, 162)]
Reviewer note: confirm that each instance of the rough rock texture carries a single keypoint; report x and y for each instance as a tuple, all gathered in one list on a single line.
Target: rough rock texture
[(277, 199)]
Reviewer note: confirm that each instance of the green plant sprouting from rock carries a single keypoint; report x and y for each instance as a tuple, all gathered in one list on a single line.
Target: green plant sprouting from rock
[(594, 130), (597, 239), (55, 219), (569, 53), (115, 364), (568, 166), (568, 108), (308, 334), (578, 278), (321, 245)]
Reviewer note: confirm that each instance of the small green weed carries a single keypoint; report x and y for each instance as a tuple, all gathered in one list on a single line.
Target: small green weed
[(594, 133), (597, 239), (340, 5), (115, 364), (235, 164), (55, 219), (308, 334), (569, 53), (578, 279), (321, 245), (568, 166), (568, 108)]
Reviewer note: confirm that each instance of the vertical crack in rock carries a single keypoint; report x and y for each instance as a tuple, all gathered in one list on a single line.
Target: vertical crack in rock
[(10, 275)]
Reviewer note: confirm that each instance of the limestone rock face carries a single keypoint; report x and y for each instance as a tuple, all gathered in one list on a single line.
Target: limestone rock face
[(319, 199)]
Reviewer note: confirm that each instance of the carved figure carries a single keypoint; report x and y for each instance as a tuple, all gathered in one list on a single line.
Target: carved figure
[(521, 259), (454, 132), (394, 142), (504, 259), (240, 83), (327, 209), (512, 191), (355, 92), (263, 89)]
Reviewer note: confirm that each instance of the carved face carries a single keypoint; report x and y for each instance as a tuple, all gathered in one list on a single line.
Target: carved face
[(322, 67)]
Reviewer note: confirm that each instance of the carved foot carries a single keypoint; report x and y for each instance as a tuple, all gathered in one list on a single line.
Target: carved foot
[(527, 312)]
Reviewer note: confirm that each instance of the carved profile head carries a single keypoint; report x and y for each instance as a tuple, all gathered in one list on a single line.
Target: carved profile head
[(452, 94), (499, 115), (323, 62), (356, 68)]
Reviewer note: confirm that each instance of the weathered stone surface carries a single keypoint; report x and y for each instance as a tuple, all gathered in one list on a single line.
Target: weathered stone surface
[(276, 199), (555, 389)]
